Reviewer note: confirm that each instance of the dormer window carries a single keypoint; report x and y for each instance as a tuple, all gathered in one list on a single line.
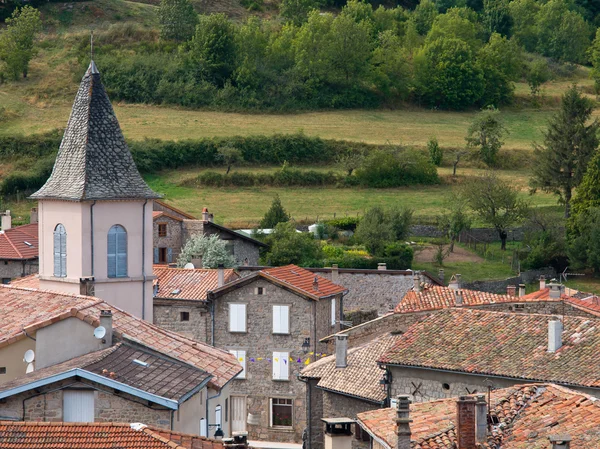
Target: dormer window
[(117, 252), (60, 251)]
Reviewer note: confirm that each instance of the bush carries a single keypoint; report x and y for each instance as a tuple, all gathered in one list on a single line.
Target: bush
[(345, 223), (392, 263), (436, 153), (384, 169)]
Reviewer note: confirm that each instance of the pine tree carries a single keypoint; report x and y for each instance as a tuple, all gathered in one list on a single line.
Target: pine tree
[(569, 143), (276, 214)]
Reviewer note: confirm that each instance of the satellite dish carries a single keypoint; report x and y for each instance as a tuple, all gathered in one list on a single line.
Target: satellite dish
[(189, 266), (99, 332), (29, 356), (29, 369)]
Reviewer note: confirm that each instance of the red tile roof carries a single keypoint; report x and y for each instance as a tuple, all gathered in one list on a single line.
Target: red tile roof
[(159, 213), (526, 416), (189, 284), (174, 209), (26, 310), (302, 281), (31, 281), (503, 344), (50, 435), (13, 244)]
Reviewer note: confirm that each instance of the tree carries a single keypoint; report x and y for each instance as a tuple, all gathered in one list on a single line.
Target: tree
[(496, 203), (424, 15), (390, 66), (230, 156), (458, 24), (16, 41), (455, 219), (276, 214), (594, 53), (177, 20), (569, 143), (447, 76), (544, 241), (524, 30), (296, 11), (501, 62), (375, 230), (401, 220), (350, 160), (436, 154), (287, 246), (496, 17), (485, 135), (311, 46), (252, 42), (537, 74), (211, 249), (584, 240), (213, 47), (349, 48), (587, 194)]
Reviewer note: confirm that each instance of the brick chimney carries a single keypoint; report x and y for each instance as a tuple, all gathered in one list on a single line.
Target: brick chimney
[(441, 275), (555, 330), (220, 275), (465, 422), (33, 215), (403, 422), (106, 321), (416, 283), (542, 282), (560, 441), (341, 351), (205, 214), (335, 273), (481, 416), (6, 220), (511, 290), (521, 290)]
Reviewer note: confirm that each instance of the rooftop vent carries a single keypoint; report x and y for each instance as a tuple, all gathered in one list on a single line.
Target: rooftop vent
[(139, 362), (176, 291), (27, 243)]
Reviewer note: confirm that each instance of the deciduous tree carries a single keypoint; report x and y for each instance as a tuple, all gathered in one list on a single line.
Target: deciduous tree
[(177, 20), (287, 246), (230, 156), (485, 135), (211, 249), (17, 40)]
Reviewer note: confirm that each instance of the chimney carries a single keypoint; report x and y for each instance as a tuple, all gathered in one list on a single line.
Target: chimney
[(560, 441), (416, 283), (511, 290), (521, 290), (335, 273), (481, 423), (458, 296), (338, 433), (106, 321), (205, 215), (441, 275), (555, 289), (220, 275), (341, 351), (6, 220), (542, 282), (555, 329), (316, 284), (33, 215), (382, 266), (211, 218), (238, 440), (454, 282), (403, 422), (465, 422)]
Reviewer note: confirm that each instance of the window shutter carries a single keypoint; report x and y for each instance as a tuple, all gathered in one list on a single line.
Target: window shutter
[(121, 253), (169, 255), (281, 320), (333, 311), (237, 317), (112, 253), (276, 370), (63, 254), (284, 366), (203, 428), (57, 255), (156, 255), (276, 319), (241, 358)]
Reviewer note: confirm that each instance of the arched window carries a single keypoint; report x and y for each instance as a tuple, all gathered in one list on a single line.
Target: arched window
[(60, 251), (117, 252)]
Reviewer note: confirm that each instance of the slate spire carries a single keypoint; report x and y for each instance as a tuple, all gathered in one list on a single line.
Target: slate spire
[(94, 162)]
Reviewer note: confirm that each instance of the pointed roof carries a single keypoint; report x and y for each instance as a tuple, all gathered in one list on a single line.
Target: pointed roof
[(94, 162)]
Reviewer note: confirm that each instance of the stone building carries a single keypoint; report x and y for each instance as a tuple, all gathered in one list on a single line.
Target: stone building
[(173, 228), (272, 321), (18, 250), (532, 416)]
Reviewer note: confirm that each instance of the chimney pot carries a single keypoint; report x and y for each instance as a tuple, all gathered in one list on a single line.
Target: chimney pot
[(6, 221), (465, 422), (481, 423), (403, 422), (335, 273), (458, 294), (555, 289), (441, 274), (555, 330), (106, 321), (382, 266), (205, 215), (33, 215), (521, 290), (511, 290), (220, 275), (542, 282), (341, 351), (562, 441), (416, 283)]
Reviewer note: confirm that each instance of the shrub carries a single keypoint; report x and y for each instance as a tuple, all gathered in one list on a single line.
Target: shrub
[(384, 169), (345, 223), (435, 152)]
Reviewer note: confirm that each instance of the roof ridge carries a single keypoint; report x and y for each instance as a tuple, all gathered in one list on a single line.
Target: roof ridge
[(11, 244)]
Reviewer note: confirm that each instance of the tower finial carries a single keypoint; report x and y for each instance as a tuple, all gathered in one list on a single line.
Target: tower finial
[(91, 45)]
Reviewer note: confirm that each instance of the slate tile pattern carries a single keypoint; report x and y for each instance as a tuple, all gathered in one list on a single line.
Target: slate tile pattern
[(13, 246), (362, 375), (47, 435), (505, 344), (93, 161), (181, 283), (525, 414), (26, 310)]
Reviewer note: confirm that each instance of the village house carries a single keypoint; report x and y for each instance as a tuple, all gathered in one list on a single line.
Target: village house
[(272, 321), (173, 228), (77, 358), (18, 249), (532, 416)]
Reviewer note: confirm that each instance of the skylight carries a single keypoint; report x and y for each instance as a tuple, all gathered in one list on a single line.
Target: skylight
[(27, 243), (139, 362)]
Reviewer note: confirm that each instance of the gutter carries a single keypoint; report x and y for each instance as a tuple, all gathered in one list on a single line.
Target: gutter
[(144, 260), (308, 411), (381, 403), (195, 390)]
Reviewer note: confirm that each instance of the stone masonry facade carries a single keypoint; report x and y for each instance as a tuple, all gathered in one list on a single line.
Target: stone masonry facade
[(108, 407), (173, 240), (168, 314), (14, 269), (340, 406), (308, 319)]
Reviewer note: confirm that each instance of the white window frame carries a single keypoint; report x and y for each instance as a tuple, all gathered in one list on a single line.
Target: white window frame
[(237, 324), (281, 366), (203, 427), (281, 319), (286, 405), (240, 355), (333, 320)]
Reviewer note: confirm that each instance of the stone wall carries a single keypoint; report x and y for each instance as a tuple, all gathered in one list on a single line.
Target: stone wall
[(245, 253), (13, 269), (259, 342), (340, 406), (167, 314), (499, 286), (174, 238), (315, 414)]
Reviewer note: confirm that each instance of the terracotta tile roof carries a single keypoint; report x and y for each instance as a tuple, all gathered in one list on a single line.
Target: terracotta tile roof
[(13, 246), (31, 281), (50, 435), (181, 283), (159, 213), (525, 414), (29, 310), (302, 281), (162, 376), (503, 344), (362, 375), (174, 209)]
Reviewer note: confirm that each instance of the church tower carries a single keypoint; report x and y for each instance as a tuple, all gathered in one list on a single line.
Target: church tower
[(95, 210)]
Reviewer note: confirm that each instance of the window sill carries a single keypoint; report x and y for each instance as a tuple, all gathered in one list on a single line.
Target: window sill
[(280, 333), (238, 332), (282, 429), (280, 380)]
